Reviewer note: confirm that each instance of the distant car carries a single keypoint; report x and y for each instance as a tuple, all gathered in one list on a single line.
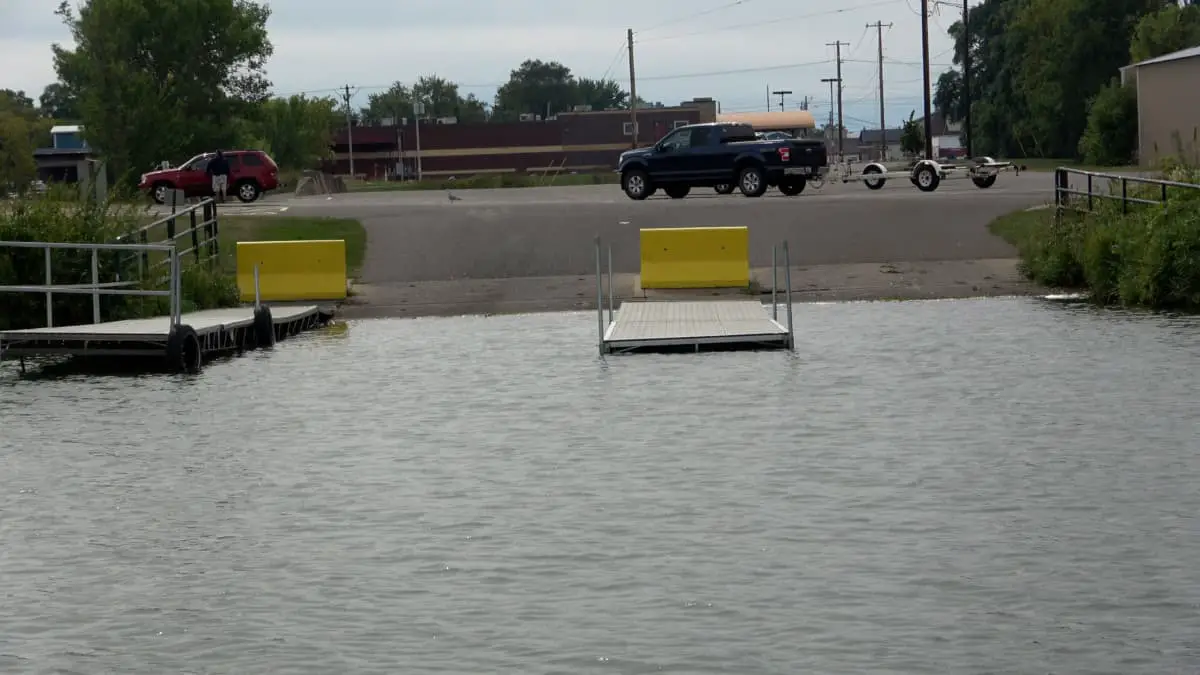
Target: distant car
[(251, 173)]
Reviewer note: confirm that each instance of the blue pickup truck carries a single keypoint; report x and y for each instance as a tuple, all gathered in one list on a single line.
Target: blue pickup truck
[(717, 155)]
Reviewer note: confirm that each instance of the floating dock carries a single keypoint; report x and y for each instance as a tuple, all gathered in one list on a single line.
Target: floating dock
[(695, 325), (182, 346)]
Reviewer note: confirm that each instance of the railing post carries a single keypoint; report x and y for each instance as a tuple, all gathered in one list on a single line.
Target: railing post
[(787, 279), (774, 281), (1124, 195), (257, 293), (1164, 194), (95, 286), (1089, 191), (599, 300), (611, 293), (143, 256), (195, 235), (216, 230), (49, 293)]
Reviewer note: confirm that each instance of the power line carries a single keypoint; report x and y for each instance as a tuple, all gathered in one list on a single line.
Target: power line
[(695, 15), (778, 19)]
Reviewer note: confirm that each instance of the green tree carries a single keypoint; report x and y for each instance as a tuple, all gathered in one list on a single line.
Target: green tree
[(58, 102), (395, 103), (161, 80), (36, 129), (537, 87), (602, 94), (1168, 30), (17, 167), (297, 130), (1111, 135), (912, 135)]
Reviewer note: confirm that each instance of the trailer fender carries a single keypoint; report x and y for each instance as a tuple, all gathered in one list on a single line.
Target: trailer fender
[(926, 175)]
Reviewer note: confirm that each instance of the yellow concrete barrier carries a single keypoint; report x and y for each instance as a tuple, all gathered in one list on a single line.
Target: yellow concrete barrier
[(292, 270), (695, 257)]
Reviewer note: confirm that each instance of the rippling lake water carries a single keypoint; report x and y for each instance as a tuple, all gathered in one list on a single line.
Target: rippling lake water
[(992, 486)]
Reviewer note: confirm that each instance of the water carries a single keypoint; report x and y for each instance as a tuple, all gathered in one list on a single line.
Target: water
[(1003, 486)]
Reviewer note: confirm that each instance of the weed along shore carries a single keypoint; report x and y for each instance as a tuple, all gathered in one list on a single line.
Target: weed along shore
[(207, 256), (1137, 245)]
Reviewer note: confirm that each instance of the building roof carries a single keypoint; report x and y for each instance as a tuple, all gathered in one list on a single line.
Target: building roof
[(772, 121), (66, 129), (62, 152), (1190, 52)]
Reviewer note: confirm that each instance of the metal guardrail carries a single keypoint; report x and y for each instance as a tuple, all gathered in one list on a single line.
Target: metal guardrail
[(203, 232), (1064, 193), (97, 288)]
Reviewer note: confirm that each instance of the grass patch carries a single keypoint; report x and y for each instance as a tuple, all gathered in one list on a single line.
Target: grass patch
[(284, 228), (1148, 257), (486, 181)]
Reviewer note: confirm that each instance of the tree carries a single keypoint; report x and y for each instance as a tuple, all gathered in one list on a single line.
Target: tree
[(538, 87), (949, 96), (394, 103), (297, 131), (161, 80), (1111, 135), (58, 102), (17, 167), (912, 136), (602, 94), (1168, 30), (34, 129)]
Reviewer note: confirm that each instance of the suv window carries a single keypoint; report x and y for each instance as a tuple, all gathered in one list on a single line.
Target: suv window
[(234, 161), (701, 136), (251, 159)]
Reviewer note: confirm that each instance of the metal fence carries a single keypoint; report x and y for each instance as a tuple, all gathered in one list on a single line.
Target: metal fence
[(97, 288), (1100, 187), (199, 238)]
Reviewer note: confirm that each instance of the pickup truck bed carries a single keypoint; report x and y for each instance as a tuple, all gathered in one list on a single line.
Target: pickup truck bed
[(712, 155)]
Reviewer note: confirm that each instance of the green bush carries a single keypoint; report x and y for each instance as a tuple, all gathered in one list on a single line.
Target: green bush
[(1111, 135), (59, 217)]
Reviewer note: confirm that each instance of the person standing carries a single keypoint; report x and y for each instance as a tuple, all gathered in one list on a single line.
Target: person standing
[(218, 172)]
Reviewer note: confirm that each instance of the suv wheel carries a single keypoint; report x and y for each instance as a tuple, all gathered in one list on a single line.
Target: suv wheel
[(677, 191), (159, 192), (247, 191), (636, 184)]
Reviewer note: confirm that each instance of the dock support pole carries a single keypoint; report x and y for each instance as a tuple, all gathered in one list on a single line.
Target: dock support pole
[(787, 279), (774, 282), (95, 286), (611, 293), (599, 300)]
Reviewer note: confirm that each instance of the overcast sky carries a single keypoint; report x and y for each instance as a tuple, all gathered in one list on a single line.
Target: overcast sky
[(731, 51)]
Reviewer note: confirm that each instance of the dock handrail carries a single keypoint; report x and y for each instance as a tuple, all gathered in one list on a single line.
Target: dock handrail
[(600, 293), (97, 288), (204, 233), (787, 281), (1063, 192)]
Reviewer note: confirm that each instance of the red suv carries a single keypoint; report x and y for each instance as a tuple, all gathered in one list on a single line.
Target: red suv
[(251, 173)]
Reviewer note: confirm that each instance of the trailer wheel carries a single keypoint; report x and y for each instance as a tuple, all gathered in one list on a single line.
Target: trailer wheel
[(927, 178), (724, 189), (874, 183), (984, 182), (793, 186)]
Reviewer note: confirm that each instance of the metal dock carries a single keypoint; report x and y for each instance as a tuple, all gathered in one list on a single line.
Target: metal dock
[(694, 325), (180, 342)]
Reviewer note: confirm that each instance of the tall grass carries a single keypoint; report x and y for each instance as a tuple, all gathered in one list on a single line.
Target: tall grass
[(56, 217), (1148, 256)]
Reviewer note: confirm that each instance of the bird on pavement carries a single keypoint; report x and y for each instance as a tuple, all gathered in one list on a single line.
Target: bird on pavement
[(452, 198)]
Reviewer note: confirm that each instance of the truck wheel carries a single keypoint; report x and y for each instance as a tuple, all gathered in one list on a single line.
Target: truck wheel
[(724, 189), (636, 184), (927, 178), (752, 181), (984, 182), (873, 183), (677, 191), (793, 186)]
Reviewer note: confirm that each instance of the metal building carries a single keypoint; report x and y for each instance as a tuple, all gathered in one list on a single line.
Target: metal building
[(1168, 93)]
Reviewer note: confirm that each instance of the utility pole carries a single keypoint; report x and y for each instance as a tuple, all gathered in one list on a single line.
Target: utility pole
[(967, 78), (768, 98), (925, 64), (883, 144), (349, 130), (632, 90), (781, 93), (838, 46), (834, 129)]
